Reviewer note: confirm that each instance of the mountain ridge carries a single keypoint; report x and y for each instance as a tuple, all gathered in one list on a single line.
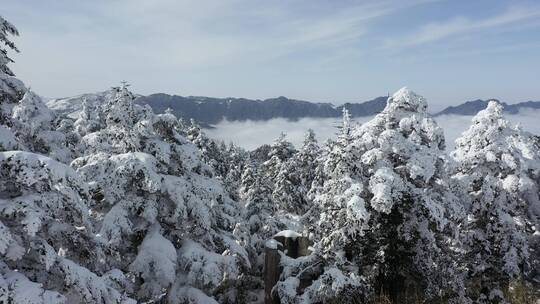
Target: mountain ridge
[(474, 106), (209, 111)]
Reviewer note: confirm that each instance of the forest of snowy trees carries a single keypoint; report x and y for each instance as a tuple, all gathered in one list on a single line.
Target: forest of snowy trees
[(122, 205)]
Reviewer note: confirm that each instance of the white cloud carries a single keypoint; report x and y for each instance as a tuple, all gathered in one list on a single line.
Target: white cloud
[(461, 25), (190, 34), (78, 47)]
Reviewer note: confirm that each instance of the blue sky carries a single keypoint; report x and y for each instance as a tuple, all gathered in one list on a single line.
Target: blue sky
[(328, 51)]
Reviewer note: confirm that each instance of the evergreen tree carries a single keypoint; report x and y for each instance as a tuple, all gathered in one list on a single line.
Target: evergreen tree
[(120, 111), (287, 194), (384, 207), (236, 160), (6, 29), (307, 160), (11, 88), (260, 211), (46, 237), (412, 210), (332, 177), (337, 217), (151, 189), (497, 164), (118, 133), (248, 178), (261, 221), (296, 176), (216, 154), (280, 151), (87, 120), (341, 159)]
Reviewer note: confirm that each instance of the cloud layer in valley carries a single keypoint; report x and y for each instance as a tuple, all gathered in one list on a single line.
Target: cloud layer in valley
[(252, 134)]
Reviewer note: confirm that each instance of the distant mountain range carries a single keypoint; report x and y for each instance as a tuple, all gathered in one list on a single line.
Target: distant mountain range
[(472, 107), (209, 111)]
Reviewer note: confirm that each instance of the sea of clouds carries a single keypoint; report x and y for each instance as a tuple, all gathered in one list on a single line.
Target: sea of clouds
[(252, 134)]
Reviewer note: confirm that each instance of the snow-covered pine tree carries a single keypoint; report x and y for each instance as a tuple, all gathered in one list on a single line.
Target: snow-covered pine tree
[(46, 237), (341, 159), (236, 159), (120, 110), (117, 133), (411, 209), (287, 194), (280, 151), (6, 29), (247, 180), (306, 161), (337, 216), (87, 120), (497, 163), (260, 220), (336, 173), (384, 224), (215, 153), (152, 189), (11, 88), (295, 177), (49, 252)]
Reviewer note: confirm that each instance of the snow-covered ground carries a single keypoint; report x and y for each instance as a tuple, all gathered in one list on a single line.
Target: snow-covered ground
[(252, 134)]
